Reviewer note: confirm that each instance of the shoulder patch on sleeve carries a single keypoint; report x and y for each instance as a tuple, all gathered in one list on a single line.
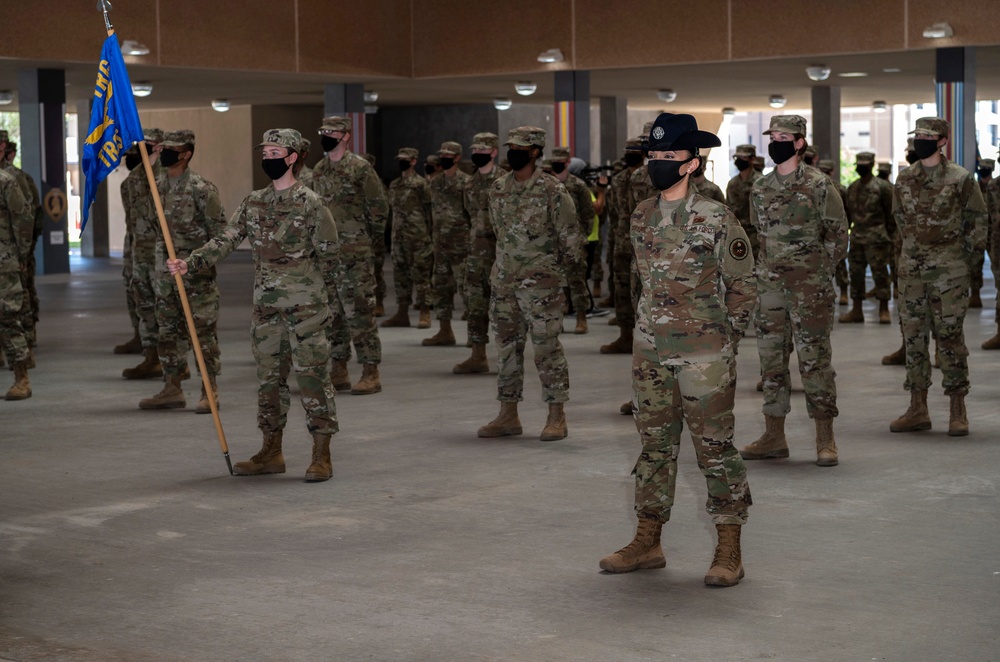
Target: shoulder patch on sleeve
[(739, 249)]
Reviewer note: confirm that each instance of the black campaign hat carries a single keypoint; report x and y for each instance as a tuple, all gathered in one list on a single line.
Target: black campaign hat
[(673, 133)]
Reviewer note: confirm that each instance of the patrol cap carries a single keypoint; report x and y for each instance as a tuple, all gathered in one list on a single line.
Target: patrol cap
[(336, 123), (933, 126), (177, 139), (865, 158), (287, 138), (560, 154), (12, 147), (787, 124), (746, 151), (526, 136), (3, 136), (884, 166), (672, 132), (407, 153), (433, 159), (810, 149), (450, 147), (633, 143), (987, 164), (826, 165), (758, 161), (304, 145), (646, 128), (152, 135), (485, 141)]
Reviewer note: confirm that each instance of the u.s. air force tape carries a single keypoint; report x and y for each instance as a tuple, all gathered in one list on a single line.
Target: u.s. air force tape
[(739, 249)]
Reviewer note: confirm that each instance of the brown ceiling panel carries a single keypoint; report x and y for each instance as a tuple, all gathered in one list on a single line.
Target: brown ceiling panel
[(461, 38), (974, 22), (697, 33), (775, 28), (249, 34), (370, 37)]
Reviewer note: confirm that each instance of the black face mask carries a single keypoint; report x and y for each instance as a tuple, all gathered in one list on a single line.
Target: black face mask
[(781, 151), (864, 170), (518, 158), (742, 164), (447, 162), (810, 160), (169, 157), (132, 160), (430, 168), (911, 157), (481, 160), (985, 174), (404, 165), (329, 143), (665, 174), (883, 175), (558, 167), (925, 147), (275, 168), (633, 159)]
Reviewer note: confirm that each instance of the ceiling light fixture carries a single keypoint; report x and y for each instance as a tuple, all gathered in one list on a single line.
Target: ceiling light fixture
[(551, 56), (142, 89), (880, 106), (776, 101), (133, 47), (891, 70), (818, 72), (6, 97), (502, 103), (728, 111), (371, 96), (525, 88), (939, 31), (371, 109), (666, 96), (220, 105), (853, 74)]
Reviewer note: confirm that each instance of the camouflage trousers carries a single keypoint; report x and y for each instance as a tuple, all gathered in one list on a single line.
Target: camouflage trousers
[(12, 339), (482, 255), (174, 341), (353, 309), (127, 269), (610, 243), (977, 264), (412, 262), (449, 277), (518, 314), (597, 268), (702, 394), (142, 288), (626, 299), (378, 266), (799, 316), (937, 307), (283, 337), (579, 292), (877, 255), (840, 275), (27, 314)]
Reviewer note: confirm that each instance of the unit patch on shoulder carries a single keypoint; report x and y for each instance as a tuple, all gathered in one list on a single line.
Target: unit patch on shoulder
[(739, 249)]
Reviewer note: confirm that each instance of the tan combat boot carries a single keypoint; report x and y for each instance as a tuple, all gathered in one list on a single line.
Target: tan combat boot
[(621, 345), (425, 318), (854, 315), (626, 409), (643, 553), (379, 308), (321, 468), (506, 423), (883, 313), (958, 420), (203, 406), (613, 321), (148, 369), (444, 337), (268, 460), (555, 426), (727, 564), (826, 447), (475, 363), (896, 358), (369, 382), (21, 390), (596, 290), (974, 300), (338, 376), (401, 318), (994, 342), (843, 296), (171, 397), (581, 323), (772, 444), (916, 417), (133, 346)]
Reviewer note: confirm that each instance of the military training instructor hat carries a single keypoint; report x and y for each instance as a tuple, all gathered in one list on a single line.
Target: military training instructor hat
[(674, 133), (526, 136), (288, 138)]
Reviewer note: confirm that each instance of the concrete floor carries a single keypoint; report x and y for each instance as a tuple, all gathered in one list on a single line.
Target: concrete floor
[(125, 539)]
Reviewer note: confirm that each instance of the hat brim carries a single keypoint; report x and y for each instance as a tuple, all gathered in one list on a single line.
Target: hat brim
[(687, 141), (521, 142), (782, 129), (926, 132), (171, 143)]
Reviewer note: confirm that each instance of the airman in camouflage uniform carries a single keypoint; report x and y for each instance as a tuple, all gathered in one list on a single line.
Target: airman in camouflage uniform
[(482, 250), (194, 214), (16, 227), (538, 240), (826, 166), (738, 191), (356, 198), (706, 186), (451, 240), (412, 251), (378, 250), (993, 246), (984, 172), (132, 161), (29, 304), (884, 170), (941, 225), (293, 240), (869, 208), (303, 173), (698, 289), (802, 227), (583, 202)]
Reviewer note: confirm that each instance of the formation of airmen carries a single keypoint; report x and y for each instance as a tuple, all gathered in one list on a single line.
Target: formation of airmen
[(691, 268)]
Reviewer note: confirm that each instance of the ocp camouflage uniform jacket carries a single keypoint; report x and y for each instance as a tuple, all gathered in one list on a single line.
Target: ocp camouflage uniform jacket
[(940, 220), (356, 198), (582, 201), (869, 206), (16, 225), (141, 212), (619, 212), (537, 232), (451, 218), (993, 232), (710, 190), (410, 202), (802, 227), (293, 239), (640, 187), (697, 275), (477, 202), (194, 214), (738, 195)]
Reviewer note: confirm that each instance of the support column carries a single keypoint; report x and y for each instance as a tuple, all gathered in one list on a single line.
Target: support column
[(614, 127), (42, 94), (955, 80), (572, 112), (826, 123), (348, 99), (95, 240)]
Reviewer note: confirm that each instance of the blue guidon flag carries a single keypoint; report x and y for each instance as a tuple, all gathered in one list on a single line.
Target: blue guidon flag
[(114, 122)]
